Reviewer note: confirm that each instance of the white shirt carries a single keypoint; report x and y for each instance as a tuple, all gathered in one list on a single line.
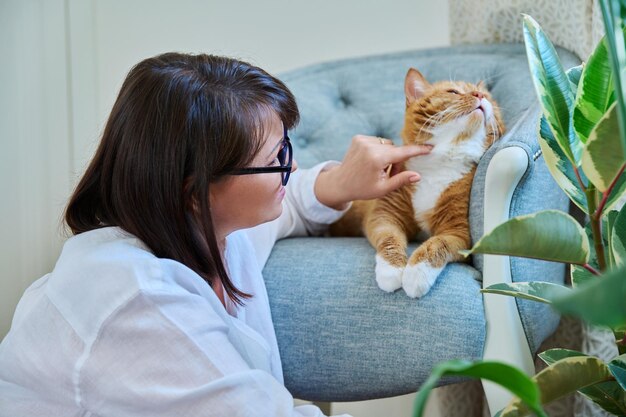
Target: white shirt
[(115, 331)]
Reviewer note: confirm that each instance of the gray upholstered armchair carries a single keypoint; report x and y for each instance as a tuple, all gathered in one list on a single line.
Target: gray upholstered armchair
[(341, 338)]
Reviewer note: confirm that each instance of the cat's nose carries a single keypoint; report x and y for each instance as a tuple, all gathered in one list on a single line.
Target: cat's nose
[(478, 94)]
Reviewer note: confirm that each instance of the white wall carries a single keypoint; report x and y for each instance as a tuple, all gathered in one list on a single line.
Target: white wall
[(277, 35), (35, 144)]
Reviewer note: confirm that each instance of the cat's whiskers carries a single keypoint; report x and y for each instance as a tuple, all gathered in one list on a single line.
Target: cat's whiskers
[(435, 119), (450, 77), (494, 132), (428, 123), (451, 109)]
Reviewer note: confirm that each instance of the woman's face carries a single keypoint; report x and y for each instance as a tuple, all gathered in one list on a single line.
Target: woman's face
[(243, 201)]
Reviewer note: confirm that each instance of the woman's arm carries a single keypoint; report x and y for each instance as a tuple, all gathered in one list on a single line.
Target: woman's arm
[(319, 196)]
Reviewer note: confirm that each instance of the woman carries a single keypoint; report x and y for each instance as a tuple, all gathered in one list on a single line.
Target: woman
[(157, 306)]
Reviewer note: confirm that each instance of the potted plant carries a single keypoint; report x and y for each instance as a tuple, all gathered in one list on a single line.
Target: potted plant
[(582, 134)]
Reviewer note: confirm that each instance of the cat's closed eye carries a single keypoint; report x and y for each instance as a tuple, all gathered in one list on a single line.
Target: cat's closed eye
[(453, 91)]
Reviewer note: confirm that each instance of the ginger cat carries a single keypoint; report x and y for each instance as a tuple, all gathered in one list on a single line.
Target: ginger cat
[(461, 121)]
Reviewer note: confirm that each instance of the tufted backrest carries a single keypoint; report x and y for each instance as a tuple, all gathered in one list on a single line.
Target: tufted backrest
[(340, 99), (366, 95)]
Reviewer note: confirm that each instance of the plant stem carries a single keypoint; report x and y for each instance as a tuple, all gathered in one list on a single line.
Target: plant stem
[(607, 193), (597, 240), (591, 269), (580, 180), (596, 229)]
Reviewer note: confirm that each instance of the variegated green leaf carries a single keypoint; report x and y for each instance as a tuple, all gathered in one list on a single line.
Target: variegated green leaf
[(561, 378), (618, 368), (603, 157), (617, 195), (613, 23), (550, 235), (596, 92), (559, 166), (505, 375), (608, 395), (543, 292), (618, 238), (552, 356), (553, 88), (574, 74), (608, 222), (599, 302), (580, 275)]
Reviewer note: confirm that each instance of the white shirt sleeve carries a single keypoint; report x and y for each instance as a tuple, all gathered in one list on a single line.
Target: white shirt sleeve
[(165, 354), (303, 214)]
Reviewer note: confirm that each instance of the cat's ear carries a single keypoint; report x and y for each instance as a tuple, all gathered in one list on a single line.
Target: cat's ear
[(415, 85)]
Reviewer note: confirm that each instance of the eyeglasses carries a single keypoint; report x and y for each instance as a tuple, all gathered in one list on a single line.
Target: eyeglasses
[(285, 156)]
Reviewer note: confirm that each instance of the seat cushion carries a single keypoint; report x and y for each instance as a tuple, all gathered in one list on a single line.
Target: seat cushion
[(342, 339)]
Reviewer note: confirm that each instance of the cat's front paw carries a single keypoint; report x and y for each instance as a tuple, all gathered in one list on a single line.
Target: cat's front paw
[(388, 277), (418, 279)]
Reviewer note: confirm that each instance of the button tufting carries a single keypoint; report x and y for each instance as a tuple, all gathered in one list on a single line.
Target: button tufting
[(382, 134), (344, 100), (302, 142), (488, 82)]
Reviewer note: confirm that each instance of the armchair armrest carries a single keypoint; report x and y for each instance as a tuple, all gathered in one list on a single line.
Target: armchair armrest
[(505, 339), (515, 181)]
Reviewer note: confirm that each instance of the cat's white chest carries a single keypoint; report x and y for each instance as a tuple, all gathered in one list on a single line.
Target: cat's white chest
[(436, 176), (438, 170)]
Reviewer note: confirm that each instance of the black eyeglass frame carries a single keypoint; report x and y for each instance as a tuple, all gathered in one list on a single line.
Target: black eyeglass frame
[(285, 170)]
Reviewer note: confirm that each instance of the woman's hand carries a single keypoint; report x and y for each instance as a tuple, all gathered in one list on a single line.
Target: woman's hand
[(364, 173)]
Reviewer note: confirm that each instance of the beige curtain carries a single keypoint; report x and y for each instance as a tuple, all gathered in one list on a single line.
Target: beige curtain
[(575, 25)]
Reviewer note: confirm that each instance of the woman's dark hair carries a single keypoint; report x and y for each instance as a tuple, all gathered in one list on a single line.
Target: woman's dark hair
[(180, 123)]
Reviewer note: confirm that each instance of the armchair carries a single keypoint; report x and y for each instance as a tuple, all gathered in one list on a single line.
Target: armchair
[(343, 339)]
